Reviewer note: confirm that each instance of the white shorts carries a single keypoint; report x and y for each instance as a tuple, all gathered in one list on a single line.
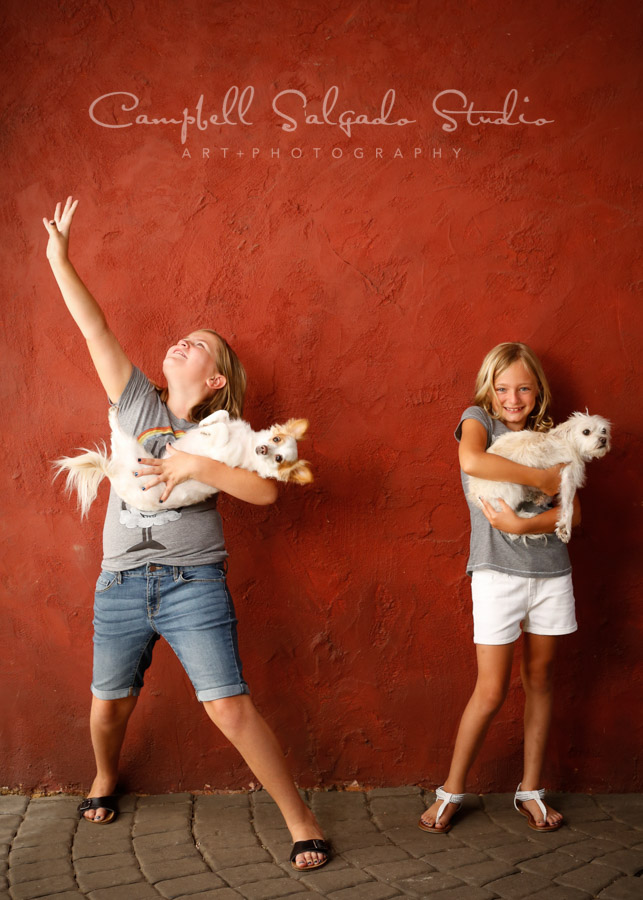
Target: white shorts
[(501, 602)]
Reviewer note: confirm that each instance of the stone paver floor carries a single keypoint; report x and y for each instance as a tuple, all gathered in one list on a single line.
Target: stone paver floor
[(235, 847)]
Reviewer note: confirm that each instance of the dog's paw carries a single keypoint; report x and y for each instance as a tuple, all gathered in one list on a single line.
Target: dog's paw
[(564, 532), (221, 415)]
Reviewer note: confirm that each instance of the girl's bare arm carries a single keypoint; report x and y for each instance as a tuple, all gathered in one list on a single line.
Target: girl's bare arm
[(111, 363), (544, 523), (180, 466), (474, 460)]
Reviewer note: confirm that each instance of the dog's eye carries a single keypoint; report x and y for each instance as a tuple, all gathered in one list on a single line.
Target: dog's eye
[(276, 440), (279, 458), (604, 431), (586, 431)]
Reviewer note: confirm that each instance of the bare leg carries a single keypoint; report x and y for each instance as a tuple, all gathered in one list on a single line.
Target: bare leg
[(536, 670), (108, 723), (494, 670), (239, 720)]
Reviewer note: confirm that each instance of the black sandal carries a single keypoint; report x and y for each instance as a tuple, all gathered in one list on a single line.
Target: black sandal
[(108, 803), (316, 846)]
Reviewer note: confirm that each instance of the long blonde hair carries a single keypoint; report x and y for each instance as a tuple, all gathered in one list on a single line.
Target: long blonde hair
[(231, 396), (499, 359)]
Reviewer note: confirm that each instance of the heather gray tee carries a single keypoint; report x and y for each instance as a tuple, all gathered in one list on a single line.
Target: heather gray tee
[(189, 536), (545, 557)]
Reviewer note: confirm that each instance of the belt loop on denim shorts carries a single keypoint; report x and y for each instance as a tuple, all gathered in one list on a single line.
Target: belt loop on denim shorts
[(176, 572), (224, 566), (119, 578)]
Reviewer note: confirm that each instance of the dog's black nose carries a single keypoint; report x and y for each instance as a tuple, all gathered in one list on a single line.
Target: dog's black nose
[(261, 450), (603, 441)]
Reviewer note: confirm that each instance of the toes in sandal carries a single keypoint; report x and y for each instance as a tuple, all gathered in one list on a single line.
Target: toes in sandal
[(521, 797), (108, 803), (446, 798), (316, 846)]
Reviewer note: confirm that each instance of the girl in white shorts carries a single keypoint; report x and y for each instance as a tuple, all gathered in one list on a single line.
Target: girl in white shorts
[(514, 583)]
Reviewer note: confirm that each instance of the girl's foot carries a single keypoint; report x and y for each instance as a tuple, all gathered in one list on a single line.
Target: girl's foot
[(553, 817), (305, 831), (101, 787), (540, 816), (438, 816), (429, 816)]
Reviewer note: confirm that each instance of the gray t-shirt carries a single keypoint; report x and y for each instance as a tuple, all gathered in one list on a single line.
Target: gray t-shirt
[(191, 535), (545, 557)]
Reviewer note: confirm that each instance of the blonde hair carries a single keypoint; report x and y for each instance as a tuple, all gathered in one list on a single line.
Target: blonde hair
[(229, 397), (499, 359)]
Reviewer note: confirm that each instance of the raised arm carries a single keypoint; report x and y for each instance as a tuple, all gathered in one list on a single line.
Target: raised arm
[(474, 460), (111, 363)]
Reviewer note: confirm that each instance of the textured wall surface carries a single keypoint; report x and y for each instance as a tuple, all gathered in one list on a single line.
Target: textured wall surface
[(361, 289)]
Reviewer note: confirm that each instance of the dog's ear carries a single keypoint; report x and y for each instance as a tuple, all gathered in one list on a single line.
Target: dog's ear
[(298, 471), (296, 428)]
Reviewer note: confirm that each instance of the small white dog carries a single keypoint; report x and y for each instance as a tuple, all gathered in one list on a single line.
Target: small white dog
[(272, 453), (577, 441)]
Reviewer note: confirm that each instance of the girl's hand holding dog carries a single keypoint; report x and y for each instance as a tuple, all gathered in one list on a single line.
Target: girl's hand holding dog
[(544, 523), (180, 466), (508, 521), (58, 229), (505, 520), (550, 479), (172, 470)]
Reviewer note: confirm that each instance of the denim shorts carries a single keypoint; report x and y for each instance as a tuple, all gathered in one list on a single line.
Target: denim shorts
[(190, 606), (502, 602)]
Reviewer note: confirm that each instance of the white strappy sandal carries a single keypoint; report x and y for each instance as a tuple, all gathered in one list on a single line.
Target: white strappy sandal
[(446, 798), (520, 798)]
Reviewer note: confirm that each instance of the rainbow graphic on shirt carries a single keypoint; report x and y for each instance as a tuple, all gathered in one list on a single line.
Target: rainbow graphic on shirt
[(158, 431)]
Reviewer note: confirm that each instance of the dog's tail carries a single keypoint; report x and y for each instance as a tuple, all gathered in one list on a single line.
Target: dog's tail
[(84, 474)]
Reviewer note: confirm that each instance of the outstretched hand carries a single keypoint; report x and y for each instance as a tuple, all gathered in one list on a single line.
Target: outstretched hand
[(58, 229), (174, 469)]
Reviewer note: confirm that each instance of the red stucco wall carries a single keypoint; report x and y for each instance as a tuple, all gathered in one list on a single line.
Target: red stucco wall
[(360, 292)]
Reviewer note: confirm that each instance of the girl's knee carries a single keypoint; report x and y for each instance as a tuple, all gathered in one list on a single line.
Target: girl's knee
[(111, 712), (537, 679), (537, 675), (489, 698), (230, 714)]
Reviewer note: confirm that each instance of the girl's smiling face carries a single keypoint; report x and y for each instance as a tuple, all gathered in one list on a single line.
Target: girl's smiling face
[(515, 395)]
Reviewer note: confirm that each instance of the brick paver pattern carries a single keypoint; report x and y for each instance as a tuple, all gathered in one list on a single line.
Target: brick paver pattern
[(236, 847)]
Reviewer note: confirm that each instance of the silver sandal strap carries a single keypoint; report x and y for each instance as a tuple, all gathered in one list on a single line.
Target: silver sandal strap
[(446, 798), (538, 796)]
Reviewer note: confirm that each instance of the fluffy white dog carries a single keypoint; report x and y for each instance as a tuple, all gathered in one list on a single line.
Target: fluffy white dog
[(577, 441), (272, 453)]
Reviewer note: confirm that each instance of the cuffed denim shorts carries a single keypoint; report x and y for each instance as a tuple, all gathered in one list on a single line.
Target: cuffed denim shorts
[(502, 602), (190, 606)]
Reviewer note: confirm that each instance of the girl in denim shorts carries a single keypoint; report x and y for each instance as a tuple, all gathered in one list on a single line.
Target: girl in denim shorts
[(514, 583), (163, 574)]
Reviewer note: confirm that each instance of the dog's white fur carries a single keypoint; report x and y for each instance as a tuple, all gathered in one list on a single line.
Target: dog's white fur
[(577, 441), (272, 453)]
